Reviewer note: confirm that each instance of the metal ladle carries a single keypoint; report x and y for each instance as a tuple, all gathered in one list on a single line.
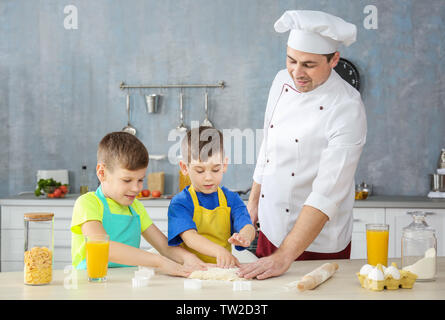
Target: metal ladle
[(129, 128), (206, 122), (181, 128)]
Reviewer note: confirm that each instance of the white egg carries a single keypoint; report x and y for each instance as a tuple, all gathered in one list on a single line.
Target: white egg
[(365, 269), (376, 274)]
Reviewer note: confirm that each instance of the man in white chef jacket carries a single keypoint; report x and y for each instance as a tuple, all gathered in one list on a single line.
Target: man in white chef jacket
[(314, 133)]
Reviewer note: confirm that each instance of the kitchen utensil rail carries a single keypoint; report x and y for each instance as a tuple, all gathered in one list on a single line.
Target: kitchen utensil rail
[(220, 84)]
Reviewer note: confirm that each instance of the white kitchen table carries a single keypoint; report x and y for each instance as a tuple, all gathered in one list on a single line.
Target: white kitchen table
[(343, 285)]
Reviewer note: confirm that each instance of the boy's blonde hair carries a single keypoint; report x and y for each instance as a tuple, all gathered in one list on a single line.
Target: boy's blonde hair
[(202, 143), (124, 149)]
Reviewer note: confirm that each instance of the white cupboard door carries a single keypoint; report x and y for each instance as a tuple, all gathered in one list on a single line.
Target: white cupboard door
[(363, 216), (397, 218)]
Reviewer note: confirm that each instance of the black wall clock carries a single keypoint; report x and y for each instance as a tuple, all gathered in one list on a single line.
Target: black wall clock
[(348, 72)]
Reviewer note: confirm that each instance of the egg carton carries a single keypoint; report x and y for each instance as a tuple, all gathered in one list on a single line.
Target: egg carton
[(379, 277)]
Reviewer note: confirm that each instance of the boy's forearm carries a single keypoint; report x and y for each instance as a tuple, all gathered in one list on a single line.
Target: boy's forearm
[(177, 254), (125, 254), (199, 243)]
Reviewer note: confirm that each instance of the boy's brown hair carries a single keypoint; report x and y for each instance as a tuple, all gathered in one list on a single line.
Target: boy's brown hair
[(124, 149), (202, 143)]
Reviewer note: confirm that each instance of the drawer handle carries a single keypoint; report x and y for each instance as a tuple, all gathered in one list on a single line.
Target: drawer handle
[(356, 220), (427, 213)]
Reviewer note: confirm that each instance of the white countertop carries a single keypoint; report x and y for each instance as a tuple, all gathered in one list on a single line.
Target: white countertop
[(370, 202)]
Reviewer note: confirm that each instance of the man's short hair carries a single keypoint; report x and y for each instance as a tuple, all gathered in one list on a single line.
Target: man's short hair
[(122, 149), (329, 56), (202, 143)]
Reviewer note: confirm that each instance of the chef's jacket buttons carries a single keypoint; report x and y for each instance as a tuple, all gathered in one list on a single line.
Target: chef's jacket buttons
[(293, 174), (262, 196), (267, 160), (321, 107), (287, 210), (271, 125), (296, 140), (286, 89)]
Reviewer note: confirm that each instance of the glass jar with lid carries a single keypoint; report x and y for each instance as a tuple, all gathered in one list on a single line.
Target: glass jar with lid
[(419, 248), (39, 248)]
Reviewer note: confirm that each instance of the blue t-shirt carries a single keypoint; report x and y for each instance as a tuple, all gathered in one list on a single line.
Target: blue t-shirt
[(181, 209)]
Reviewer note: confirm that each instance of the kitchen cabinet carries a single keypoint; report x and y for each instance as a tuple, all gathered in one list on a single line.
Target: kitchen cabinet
[(390, 210), (361, 217), (12, 228), (397, 219)]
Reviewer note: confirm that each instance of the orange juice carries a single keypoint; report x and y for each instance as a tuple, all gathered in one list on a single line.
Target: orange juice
[(97, 259), (377, 246)]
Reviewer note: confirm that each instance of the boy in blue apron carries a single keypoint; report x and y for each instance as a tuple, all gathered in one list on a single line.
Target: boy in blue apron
[(113, 209), (204, 218)]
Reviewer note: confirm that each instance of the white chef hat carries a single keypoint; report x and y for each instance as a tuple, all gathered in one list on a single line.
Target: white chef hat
[(315, 31)]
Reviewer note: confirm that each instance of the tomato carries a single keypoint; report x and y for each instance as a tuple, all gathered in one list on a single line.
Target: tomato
[(57, 193), (156, 193), (145, 193), (64, 189), (50, 195)]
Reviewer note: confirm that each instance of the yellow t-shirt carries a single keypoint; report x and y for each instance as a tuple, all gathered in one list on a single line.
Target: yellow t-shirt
[(89, 207)]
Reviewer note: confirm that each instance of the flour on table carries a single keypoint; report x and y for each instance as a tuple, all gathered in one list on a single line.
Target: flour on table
[(230, 274)]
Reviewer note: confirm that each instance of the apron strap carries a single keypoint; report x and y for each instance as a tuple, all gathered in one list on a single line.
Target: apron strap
[(222, 198), (99, 193), (194, 196)]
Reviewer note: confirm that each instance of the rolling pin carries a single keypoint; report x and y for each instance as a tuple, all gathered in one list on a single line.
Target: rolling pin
[(317, 276)]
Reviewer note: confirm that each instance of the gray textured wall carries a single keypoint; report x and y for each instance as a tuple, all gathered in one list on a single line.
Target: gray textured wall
[(59, 89)]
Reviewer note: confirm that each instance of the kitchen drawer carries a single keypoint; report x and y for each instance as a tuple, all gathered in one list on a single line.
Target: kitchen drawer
[(157, 213), (12, 242), (362, 216)]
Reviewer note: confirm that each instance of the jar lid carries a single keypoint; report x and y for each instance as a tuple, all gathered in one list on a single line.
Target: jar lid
[(39, 216)]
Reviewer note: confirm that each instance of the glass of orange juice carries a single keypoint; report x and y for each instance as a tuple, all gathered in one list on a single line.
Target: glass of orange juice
[(97, 248), (377, 236)]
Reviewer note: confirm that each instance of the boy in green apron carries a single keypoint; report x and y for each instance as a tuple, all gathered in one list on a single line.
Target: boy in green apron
[(113, 209), (204, 218)]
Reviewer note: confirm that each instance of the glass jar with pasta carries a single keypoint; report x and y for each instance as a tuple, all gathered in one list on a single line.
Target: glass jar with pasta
[(39, 247)]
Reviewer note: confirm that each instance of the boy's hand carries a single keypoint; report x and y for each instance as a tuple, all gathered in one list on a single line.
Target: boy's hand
[(238, 239), (172, 268), (193, 262), (224, 259)]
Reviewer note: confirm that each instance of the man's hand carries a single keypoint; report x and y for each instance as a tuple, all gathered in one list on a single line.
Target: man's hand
[(267, 267)]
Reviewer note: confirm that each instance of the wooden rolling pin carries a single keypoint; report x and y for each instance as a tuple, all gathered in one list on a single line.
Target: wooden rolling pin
[(317, 276)]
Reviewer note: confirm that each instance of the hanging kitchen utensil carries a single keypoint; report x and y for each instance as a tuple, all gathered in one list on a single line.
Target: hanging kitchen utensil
[(181, 128), (129, 128), (206, 121)]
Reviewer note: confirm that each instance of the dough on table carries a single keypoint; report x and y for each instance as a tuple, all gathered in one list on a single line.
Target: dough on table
[(215, 273)]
